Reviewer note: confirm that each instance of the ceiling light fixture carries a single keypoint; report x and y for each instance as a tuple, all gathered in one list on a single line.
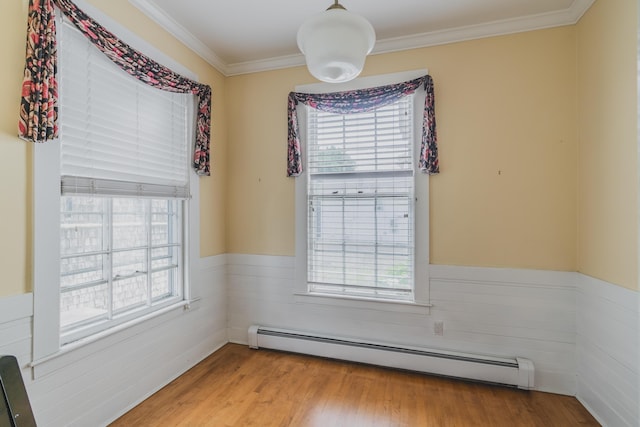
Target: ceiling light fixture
[(335, 44)]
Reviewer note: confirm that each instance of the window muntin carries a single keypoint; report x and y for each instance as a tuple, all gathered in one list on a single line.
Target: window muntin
[(360, 202), (117, 256)]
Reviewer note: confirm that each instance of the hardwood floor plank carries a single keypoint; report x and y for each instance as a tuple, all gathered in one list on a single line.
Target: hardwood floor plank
[(237, 386)]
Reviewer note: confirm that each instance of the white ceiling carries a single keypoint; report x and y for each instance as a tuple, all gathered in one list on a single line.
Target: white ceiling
[(252, 35)]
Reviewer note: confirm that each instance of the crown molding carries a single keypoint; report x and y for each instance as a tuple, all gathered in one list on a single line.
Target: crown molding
[(541, 21), (579, 8), (268, 64), (568, 16), (178, 31)]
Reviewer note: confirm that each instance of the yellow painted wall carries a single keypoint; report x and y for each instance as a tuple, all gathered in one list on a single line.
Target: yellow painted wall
[(537, 147), (15, 175), (505, 108), (607, 147), (15, 155)]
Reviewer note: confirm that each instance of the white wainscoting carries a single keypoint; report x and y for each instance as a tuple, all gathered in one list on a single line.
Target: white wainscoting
[(96, 383), (511, 312), (15, 329), (488, 311), (608, 361), (581, 333)]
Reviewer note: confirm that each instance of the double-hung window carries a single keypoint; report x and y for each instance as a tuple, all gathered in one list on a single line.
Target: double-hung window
[(124, 191), (361, 202)]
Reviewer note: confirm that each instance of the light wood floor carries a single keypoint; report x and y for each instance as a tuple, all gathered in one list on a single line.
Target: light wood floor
[(237, 386)]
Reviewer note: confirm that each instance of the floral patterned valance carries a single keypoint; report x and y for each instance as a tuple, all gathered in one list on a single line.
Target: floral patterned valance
[(360, 101), (39, 103)]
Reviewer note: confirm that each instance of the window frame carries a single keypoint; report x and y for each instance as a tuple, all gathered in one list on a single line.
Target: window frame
[(421, 206), (47, 341), (334, 190), (88, 327)]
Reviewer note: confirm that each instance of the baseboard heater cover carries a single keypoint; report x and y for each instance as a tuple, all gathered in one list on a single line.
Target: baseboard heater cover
[(518, 372)]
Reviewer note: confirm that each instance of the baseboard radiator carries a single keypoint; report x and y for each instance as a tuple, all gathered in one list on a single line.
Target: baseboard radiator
[(517, 372)]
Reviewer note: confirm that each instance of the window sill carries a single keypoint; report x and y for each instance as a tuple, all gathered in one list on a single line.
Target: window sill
[(401, 306), (69, 353)]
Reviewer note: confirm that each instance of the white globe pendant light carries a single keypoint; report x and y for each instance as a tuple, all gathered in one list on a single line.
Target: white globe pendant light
[(335, 44)]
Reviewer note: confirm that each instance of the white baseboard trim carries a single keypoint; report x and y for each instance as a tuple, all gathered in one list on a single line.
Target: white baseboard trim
[(593, 413)]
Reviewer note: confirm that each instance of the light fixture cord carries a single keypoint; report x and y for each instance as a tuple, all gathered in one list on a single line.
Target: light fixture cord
[(336, 5)]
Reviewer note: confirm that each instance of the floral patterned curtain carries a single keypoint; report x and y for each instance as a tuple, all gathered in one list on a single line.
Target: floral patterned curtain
[(360, 101), (38, 112), (39, 102)]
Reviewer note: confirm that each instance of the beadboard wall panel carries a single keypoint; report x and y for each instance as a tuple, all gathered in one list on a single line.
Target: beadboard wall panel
[(96, 383), (16, 313), (581, 334), (488, 311), (526, 313), (608, 359)]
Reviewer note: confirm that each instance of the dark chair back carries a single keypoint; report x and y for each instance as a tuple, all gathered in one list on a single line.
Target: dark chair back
[(15, 409)]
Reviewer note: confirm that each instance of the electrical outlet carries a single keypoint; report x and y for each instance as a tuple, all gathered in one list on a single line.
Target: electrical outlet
[(438, 328)]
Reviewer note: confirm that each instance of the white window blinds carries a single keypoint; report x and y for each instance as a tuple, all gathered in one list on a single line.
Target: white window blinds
[(130, 149), (361, 202)]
